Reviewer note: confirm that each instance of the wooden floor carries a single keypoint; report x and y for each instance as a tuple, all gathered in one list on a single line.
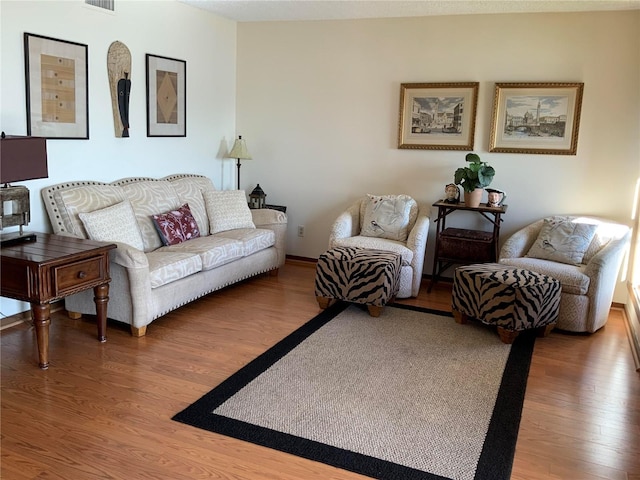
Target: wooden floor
[(104, 410)]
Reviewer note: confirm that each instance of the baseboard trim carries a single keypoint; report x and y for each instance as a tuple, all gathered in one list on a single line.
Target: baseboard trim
[(25, 317), (632, 322), (15, 319), (306, 261)]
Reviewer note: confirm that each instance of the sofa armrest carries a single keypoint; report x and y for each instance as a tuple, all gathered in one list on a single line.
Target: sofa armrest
[(125, 255), (273, 220), (128, 257), (417, 243), (518, 244), (263, 217), (346, 225)]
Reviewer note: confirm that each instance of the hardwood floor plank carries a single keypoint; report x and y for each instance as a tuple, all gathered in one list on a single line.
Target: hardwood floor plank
[(104, 410)]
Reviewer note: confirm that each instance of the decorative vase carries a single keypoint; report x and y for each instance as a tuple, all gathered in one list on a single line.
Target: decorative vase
[(472, 199)]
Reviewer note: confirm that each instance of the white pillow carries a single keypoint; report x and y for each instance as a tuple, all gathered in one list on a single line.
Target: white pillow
[(116, 223), (227, 210), (387, 216), (562, 240)]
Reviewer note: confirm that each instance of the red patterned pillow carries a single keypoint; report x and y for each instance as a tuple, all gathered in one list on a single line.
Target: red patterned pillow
[(176, 226)]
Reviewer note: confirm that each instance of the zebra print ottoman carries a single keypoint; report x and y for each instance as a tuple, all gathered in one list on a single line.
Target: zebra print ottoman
[(359, 275), (510, 298)]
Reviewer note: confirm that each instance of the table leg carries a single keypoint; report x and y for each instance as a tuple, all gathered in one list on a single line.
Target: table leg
[(41, 321), (101, 298)]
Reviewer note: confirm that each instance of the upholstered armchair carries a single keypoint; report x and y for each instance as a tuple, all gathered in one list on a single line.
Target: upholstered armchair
[(588, 278), (356, 228)]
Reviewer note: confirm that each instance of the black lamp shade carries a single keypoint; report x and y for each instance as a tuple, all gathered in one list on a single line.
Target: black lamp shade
[(22, 158)]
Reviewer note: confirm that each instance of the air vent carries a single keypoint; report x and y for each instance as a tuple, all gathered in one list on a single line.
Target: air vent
[(106, 4)]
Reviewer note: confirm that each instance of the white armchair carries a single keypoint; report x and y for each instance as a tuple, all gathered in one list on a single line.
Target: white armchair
[(588, 287), (346, 232)]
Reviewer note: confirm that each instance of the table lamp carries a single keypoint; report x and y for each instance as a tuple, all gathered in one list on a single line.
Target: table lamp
[(240, 152), (21, 158)]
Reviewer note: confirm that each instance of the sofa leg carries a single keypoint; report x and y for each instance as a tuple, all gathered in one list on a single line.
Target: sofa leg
[(324, 302), (138, 332), (546, 330), (459, 317), (74, 315), (507, 336)]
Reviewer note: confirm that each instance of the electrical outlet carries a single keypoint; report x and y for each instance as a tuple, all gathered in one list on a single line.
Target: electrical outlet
[(301, 230)]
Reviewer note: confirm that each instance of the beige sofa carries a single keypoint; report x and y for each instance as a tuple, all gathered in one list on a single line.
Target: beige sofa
[(150, 281), (347, 231), (588, 286)]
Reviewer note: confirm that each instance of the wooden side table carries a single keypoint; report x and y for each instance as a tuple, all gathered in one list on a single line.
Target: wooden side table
[(454, 245), (280, 208), (49, 269)]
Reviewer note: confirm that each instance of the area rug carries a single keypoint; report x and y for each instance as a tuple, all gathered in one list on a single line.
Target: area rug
[(408, 395)]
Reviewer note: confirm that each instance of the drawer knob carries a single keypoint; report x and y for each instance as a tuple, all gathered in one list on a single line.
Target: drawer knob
[(82, 274)]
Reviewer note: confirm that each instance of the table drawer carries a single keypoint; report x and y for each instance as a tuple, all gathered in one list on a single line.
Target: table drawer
[(77, 275)]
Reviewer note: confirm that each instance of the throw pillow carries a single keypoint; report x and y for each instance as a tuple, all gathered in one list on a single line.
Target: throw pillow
[(116, 223), (562, 240), (176, 226), (227, 210), (387, 216)]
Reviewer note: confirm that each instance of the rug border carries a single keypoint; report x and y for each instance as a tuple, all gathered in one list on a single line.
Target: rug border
[(496, 458)]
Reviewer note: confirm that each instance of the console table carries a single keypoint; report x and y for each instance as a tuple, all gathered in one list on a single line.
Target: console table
[(457, 245), (49, 269), (280, 208)]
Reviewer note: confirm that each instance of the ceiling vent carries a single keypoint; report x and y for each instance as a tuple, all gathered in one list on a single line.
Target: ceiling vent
[(106, 4)]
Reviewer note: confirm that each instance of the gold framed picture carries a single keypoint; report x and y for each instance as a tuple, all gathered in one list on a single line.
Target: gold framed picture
[(437, 116), (57, 84), (539, 118)]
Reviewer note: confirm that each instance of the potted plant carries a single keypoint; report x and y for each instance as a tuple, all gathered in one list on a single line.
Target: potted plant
[(474, 178)]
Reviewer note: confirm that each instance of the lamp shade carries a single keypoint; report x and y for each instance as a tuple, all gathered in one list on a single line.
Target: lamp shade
[(239, 150), (22, 158)]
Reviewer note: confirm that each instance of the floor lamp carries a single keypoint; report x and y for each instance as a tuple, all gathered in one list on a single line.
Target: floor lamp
[(240, 152)]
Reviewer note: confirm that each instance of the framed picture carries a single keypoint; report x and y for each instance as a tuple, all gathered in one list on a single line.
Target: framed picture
[(536, 118), (166, 97), (437, 116), (57, 84)]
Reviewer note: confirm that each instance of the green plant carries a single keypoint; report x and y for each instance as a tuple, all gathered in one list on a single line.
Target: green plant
[(475, 175)]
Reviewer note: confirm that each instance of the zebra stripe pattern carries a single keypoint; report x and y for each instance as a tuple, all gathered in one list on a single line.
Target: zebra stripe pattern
[(512, 298), (359, 275)]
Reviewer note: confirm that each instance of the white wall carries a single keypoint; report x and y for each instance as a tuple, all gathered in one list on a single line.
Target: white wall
[(318, 106), (167, 28)]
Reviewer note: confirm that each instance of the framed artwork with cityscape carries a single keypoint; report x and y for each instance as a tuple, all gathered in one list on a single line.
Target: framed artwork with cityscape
[(437, 116), (541, 118)]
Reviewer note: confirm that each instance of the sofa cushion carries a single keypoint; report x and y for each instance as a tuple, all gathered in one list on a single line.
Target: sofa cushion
[(387, 216), (572, 277), (166, 267), (176, 226), (253, 239), (377, 244), (189, 190), (562, 240), (213, 251), (116, 223), (227, 210), (85, 199), (149, 198)]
